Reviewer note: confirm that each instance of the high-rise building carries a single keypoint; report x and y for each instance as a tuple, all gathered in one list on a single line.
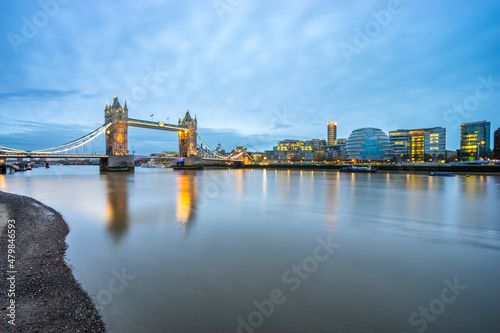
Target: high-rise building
[(332, 132), (412, 145), (475, 141), (496, 152), (368, 144)]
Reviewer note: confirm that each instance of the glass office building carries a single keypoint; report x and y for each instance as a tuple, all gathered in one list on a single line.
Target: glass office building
[(475, 141), (367, 144), (413, 145)]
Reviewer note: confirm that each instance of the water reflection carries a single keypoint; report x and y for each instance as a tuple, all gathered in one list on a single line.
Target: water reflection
[(187, 187), (332, 197), (117, 212), (475, 185), (264, 183), (2, 181)]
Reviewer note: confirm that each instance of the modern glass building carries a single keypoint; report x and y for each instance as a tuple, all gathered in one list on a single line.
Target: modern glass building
[(496, 152), (413, 145), (475, 141), (369, 143), (332, 132)]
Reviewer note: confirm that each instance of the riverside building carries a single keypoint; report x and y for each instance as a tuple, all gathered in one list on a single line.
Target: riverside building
[(475, 141), (496, 152), (331, 132), (295, 150), (412, 145), (368, 144), (335, 150)]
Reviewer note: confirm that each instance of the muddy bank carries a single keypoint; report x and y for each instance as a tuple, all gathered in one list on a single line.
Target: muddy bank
[(47, 296)]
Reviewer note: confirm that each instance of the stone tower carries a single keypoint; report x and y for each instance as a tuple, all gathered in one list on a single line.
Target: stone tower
[(116, 134), (188, 138)]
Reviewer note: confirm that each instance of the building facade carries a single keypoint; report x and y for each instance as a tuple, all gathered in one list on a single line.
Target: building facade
[(331, 132), (475, 141), (496, 151), (295, 150), (412, 145), (336, 150), (116, 134), (188, 138), (368, 144)]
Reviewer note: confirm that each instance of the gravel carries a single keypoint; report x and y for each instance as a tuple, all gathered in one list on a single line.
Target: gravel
[(47, 296)]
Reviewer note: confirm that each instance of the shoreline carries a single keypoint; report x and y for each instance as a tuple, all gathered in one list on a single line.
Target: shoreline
[(46, 295)]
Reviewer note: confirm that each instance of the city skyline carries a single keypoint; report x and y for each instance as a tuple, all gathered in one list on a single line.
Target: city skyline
[(253, 73)]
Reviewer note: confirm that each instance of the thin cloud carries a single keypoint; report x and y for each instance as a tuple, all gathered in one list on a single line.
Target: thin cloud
[(262, 56)]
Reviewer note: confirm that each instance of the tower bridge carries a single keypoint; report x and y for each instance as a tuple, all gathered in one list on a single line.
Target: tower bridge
[(117, 155), (117, 151)]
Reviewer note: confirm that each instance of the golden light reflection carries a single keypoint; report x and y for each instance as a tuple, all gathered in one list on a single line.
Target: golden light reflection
[(117, 215), (475, 184), (264, 183), (187, 187), (301, 181), (2, 181), (332, 197), (239, 182)]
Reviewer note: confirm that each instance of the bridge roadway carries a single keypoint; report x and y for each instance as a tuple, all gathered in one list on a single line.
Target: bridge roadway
[(2, 156), (156, 125), (76, 156)]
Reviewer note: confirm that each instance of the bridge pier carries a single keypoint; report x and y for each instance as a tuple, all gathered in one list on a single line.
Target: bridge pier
[(115, 163), (189, 162)]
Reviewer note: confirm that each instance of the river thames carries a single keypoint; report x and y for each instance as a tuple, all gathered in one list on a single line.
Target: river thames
[(279, 251)]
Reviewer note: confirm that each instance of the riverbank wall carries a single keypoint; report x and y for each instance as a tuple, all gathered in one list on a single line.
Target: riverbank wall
[(455, 168)]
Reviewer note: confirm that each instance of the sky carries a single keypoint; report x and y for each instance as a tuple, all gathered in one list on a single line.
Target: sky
[(252, 71)]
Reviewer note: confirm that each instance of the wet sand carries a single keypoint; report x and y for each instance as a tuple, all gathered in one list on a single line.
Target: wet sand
[(47, 296)]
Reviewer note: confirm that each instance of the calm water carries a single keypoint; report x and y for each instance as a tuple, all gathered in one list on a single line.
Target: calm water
[(279, 251)]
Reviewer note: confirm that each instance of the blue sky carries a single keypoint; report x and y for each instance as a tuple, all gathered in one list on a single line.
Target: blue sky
[(254, 72)]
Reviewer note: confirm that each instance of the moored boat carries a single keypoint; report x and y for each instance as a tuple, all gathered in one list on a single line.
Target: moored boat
[(365, 169), (442, 174)]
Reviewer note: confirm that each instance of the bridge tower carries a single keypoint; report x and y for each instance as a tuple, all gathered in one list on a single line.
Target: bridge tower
[(116, 135), (188, 138)]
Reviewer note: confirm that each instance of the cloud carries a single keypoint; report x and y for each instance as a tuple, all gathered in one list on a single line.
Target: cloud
[(263, 56), (39, 94)]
